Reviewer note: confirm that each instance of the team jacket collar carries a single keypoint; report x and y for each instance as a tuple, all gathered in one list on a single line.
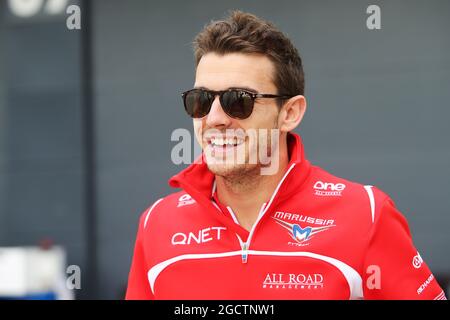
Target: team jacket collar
[(198, 181)]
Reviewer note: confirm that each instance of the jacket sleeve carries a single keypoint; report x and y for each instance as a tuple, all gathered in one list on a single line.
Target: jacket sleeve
[(394, 268), (138, 285)]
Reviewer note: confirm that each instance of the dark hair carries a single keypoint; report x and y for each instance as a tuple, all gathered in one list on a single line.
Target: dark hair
[(245, 33)]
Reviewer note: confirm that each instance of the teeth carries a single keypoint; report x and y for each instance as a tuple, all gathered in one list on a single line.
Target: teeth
[(229, 141)]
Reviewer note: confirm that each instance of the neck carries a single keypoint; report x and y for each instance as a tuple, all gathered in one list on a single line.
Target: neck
[(245, 194)]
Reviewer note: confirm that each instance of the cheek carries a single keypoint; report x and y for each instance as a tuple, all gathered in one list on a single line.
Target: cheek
[(198, 129), (265, 116)]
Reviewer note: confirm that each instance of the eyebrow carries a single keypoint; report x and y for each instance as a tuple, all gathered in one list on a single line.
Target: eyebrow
[(242, 88)]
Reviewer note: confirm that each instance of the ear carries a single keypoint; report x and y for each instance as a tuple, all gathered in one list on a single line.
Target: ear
[(292, 113)]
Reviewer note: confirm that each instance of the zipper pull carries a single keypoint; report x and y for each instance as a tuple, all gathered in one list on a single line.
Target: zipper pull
[(244, 252)]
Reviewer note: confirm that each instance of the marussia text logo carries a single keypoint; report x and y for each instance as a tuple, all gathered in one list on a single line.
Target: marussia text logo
[(302, 218), (328, 189), (301, 235), (185, 200), (293, 281)]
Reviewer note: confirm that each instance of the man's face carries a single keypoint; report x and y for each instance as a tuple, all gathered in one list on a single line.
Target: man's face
[(253, 72)]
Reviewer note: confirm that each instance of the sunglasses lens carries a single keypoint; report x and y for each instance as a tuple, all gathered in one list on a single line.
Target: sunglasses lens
[(237, 104), (197, 103)]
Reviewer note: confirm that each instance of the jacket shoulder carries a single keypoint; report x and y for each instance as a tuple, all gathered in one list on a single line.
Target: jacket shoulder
[(166, 206), (326, 183), (332, 188)]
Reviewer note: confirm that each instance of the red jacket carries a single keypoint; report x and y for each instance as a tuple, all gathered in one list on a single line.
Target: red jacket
[(318, 237)]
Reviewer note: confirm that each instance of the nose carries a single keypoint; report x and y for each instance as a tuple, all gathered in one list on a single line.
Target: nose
[(216, 116)]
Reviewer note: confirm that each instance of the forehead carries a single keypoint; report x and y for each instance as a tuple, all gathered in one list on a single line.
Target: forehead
[(219, 72)]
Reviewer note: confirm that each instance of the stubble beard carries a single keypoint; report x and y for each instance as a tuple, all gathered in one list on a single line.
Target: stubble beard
[(244, 176)]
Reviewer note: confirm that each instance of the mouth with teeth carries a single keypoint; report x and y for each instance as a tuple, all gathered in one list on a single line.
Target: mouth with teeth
[(222, 144), (225, 142)]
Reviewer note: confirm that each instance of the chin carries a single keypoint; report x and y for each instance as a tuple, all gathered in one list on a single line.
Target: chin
[(231, 170)]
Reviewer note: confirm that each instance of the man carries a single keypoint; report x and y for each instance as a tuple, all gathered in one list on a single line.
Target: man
[(294, 231)]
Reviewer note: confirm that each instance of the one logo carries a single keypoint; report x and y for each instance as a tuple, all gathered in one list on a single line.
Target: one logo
[(417, 261), (301, 235), (199, 237), (185, 200), (293, 281), (328, 189)]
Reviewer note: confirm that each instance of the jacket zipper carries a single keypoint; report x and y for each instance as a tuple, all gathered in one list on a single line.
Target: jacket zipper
[(246, 244), (264, 209), (244, 252)]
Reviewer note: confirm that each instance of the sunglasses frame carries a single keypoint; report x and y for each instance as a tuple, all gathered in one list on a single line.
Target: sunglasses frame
[(220, 93)]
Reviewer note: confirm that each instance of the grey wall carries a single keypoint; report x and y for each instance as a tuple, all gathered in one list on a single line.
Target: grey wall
[(3, 123), (41, 168), (377, 114), (379, 108)]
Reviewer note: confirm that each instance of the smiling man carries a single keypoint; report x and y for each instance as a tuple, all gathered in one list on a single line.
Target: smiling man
[(239, 231)]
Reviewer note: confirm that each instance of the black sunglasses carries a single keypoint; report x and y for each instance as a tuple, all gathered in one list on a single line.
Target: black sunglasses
[(237, 103)]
